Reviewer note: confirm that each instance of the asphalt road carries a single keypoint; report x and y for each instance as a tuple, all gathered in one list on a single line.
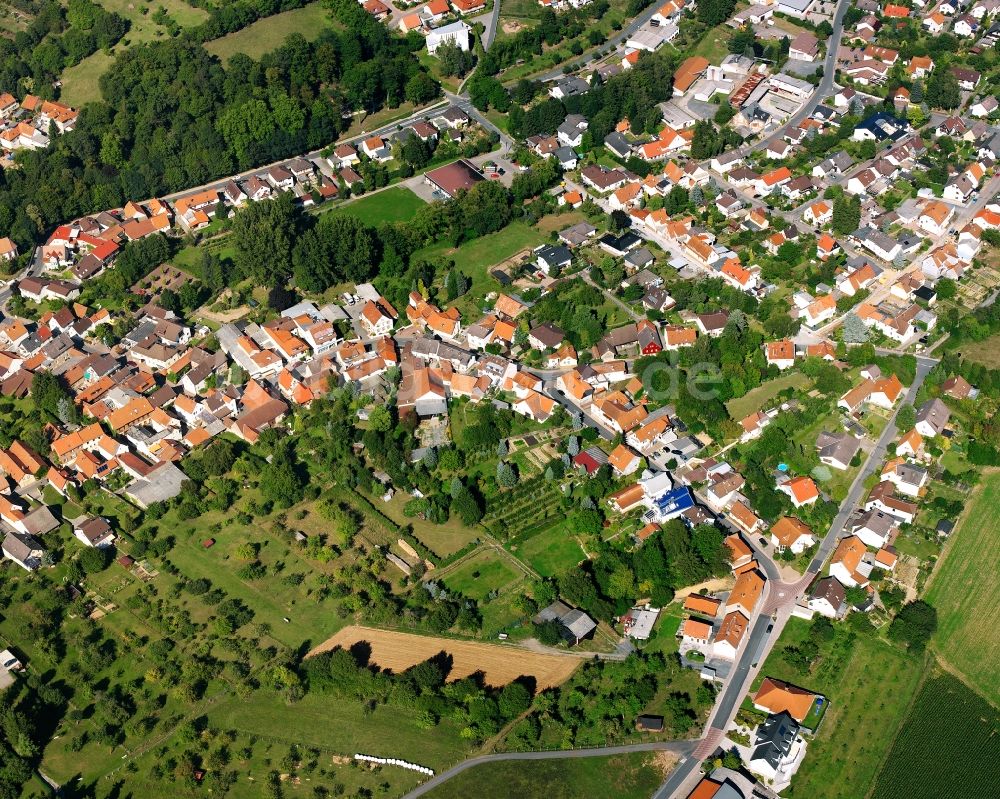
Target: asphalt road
[(490, 25), (826, 547), (825, 84), (609, 45), (682, 748)]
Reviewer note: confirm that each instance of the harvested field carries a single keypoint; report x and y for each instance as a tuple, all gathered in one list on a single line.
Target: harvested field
[(499, 664)]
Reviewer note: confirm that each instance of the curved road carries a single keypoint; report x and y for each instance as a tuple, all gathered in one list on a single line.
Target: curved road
[(682, 748)]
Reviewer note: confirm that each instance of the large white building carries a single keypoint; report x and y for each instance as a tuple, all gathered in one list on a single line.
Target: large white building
[(456, 33)]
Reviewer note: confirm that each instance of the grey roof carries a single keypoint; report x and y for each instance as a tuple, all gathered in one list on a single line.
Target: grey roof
[(572, 86), (617, 143), (578, 233), (913, 475), (875, 520), (775, 738), (40, 521), (553, 612), (640, 257), (578, 623), (554, 254), (161, 484), (23, 548), (934, 413), (840, 447), (565, 155)]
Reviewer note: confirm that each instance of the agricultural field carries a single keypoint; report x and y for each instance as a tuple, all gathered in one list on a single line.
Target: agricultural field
[(760, 398), (488, 570), (631, 776), (499, 664), (397, 204), (949, 745), (965, 589), (533, 506), (268, 33)]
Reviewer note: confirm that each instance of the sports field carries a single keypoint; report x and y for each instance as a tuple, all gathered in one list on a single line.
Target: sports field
[(965, 589), (499, 664)]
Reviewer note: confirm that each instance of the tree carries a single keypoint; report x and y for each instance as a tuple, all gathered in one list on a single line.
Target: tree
[(854, 330), (506, 476), (619, 220), (95, 559), (422, 88), (946, 288), (514, 699), (456, 61), (715, 12), (467, 508), (856, 596), (914, 625), (943, 90), (264, 236), (380, 419), (906, 417), (846, 214)]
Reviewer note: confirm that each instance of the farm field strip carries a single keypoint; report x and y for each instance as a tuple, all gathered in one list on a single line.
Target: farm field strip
[(965, 589), (949, 745), (500, 665)]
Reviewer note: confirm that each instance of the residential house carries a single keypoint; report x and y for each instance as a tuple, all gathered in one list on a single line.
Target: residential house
[(848, 564), (791, 534)]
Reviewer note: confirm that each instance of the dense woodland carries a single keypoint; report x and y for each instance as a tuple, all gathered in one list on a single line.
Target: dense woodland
[(174, 117)]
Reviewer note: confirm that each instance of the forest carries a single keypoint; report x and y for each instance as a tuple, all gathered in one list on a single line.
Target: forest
[(174, 117)]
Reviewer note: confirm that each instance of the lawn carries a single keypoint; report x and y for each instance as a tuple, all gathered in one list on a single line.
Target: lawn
[(343, 727), (759, 398), (949, 745), (632, 776), (441, 539), (268, 33), (551, 552), (714, 45), (965, 589), (483, 573), (986, 352), (476, 257), (272, 600), (80, 83), (397, 204)]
